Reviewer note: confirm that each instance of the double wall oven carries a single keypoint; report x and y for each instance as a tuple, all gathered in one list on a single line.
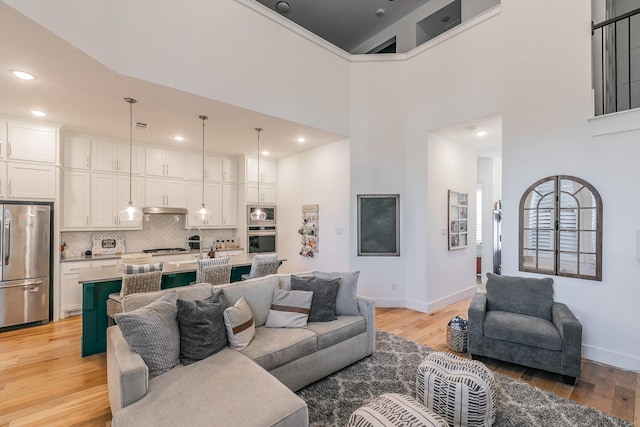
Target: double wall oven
[(261, 234)]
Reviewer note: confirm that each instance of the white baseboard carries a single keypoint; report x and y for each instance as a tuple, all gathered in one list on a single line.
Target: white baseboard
[(443, 302), (390, 302), (425, 307), (611, 358)]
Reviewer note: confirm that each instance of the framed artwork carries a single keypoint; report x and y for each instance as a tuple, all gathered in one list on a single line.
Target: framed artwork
[(458, 220), (378, 225)]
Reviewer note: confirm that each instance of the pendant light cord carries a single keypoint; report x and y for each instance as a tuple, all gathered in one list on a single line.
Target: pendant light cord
[(203, 118), (258, 130), (131, 101)]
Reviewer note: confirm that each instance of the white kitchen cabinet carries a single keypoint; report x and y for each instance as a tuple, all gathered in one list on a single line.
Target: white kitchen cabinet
[(3, 179), (266, 194), (212, 200), (229, 171), (108, 156), (229, 205), (31, 181), (212, 168), (267, 172), (3, 139), (77, 153), (165, 192), (32, 142), (166, 163), (76, 199), (70, 289), (109, 195)]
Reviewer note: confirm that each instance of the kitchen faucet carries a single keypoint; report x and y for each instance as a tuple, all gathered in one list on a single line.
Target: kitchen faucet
[(200, 239)]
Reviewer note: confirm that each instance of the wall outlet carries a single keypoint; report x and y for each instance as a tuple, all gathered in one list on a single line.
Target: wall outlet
[(443, 231), (393, 286)]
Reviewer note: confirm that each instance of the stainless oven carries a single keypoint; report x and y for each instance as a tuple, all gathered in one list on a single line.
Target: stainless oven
[(261, 239), (269, 213)]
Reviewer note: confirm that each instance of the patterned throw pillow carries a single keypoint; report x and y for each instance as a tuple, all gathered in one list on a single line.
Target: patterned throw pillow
[(141, 268), (323, 306), (347, 299), (152, 332), (202, 329), (289, 309), (240, 326)]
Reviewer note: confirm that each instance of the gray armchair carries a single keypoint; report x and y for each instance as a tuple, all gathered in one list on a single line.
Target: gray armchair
[(517, 321)]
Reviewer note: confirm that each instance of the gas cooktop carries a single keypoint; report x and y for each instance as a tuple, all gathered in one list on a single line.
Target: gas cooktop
[(164, 250)]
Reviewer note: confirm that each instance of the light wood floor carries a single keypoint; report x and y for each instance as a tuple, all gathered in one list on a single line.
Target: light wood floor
[(45, 382)]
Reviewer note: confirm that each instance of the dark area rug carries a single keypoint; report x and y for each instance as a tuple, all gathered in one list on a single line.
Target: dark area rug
[(392, 369)]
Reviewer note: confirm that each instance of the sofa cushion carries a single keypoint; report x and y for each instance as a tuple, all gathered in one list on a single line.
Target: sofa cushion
[(523, 295), (522, 329), (274, 347), (152, 332), (224, 390), (202, 328), (289, 309), (191, 293), (331, 333), (347, 299), (258, 293), (238, 320), (323, 305)]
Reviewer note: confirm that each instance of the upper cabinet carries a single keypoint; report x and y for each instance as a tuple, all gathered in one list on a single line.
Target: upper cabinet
[(31, 142), (265, 172), (167, 163), (212, 167), (31, 181), (3, 139), (77, 153), (229, 171), (107, 156)]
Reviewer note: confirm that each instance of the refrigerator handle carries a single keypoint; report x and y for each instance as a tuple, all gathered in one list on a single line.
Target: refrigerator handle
[(7, 240)]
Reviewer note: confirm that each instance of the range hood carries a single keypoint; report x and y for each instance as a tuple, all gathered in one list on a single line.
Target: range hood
[(166, 211)]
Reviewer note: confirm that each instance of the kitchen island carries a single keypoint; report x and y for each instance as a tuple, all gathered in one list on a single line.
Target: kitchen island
[(98, 282)]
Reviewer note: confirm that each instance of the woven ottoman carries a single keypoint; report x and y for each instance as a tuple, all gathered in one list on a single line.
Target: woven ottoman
[(392, 409), (461, 391)]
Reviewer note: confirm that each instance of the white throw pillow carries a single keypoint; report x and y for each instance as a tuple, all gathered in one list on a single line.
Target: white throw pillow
[(238, 319), (289, 309)]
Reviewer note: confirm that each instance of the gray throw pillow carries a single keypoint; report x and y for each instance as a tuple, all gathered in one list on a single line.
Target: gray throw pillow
[(347, 299), (202, 330), (152, 332), (522, 295), (289, 309), (323, 304)]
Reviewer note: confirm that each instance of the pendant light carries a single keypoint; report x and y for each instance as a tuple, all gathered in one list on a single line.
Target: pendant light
[(130, 213), (258, 214), (203, 214)]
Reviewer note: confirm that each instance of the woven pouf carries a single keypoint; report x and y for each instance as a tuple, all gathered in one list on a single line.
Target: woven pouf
[(461, 391), (397, 410)]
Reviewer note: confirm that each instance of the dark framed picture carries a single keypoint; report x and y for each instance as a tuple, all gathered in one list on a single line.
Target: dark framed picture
[(378, 225), (458, 219)]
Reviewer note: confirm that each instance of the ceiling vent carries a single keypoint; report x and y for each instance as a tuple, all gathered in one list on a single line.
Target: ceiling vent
[(140, 125)]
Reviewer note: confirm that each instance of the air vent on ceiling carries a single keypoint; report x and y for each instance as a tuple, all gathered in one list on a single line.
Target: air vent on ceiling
[(140, 125)]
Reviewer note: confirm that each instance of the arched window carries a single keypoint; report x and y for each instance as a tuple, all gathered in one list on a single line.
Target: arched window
[(561, 228)]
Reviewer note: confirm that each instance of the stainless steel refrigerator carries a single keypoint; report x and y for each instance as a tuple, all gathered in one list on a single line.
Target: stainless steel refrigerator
[(25, 255)]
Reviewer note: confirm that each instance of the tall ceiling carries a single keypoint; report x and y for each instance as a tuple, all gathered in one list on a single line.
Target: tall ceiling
[(77, 91)]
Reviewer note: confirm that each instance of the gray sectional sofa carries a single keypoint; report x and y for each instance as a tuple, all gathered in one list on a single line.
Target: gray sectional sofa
[(251, 387)]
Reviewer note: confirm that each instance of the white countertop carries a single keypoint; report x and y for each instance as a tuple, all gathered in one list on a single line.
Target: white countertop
[(164, 256), (110, 272)]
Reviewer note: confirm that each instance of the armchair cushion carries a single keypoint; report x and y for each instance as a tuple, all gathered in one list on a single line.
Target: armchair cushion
[(522, 295), (522, 329)]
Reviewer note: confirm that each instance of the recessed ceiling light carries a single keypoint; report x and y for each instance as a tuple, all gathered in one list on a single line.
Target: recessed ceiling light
[(283, 7), (481, 133), (38, 113), (380, 12), (265, 153), (22, 75), (178, 138), (301, 139)]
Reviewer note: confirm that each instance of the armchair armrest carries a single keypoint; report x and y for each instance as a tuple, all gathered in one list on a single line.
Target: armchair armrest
[(127, 374), (477, 310), (367, 307), (570, 330)]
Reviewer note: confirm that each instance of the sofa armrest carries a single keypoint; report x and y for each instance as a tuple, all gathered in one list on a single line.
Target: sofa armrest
[(477, 310), (367, 307), (570, 330), (127, 374)]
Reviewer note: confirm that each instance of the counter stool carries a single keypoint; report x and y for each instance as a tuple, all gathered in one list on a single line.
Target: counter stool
[(132, 284), (262, 265), (208, 262), (216, 274), (460, 390), (394, 410)]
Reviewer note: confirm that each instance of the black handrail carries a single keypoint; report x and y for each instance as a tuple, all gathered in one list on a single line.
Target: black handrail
[(609, 82)]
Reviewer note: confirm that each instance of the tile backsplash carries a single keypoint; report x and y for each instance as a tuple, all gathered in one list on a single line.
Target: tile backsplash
[(158, 231)]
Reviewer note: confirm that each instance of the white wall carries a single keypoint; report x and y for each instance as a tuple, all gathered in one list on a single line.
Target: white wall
[(319, 176), (490, 178), (244, 59)]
